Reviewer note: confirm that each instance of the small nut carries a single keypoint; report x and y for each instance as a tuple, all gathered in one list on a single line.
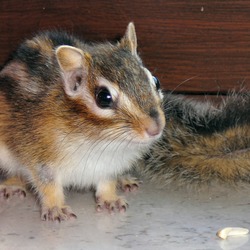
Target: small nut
[(231, 231)]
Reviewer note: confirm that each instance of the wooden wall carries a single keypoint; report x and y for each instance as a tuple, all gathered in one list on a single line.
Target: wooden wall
[(192, 46)]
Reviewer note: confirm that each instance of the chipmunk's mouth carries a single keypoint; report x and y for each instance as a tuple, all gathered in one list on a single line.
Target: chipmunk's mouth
[(150, 128), (147, 140), (150, 134)]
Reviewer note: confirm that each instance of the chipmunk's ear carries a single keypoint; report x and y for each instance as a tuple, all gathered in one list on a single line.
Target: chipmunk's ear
[(130, 40), (74, 64)]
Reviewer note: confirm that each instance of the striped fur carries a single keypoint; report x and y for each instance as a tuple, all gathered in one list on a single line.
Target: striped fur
[(55, 132), (201, 143)]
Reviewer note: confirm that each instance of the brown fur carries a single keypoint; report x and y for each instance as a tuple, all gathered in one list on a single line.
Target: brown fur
[(201, 143), (58, 127)]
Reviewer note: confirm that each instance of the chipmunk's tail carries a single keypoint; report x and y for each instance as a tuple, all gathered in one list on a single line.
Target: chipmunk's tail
[(202, 143)]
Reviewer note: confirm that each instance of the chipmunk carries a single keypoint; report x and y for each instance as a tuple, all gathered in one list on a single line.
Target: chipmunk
[(201, 142), (78, 114), (75, 115)]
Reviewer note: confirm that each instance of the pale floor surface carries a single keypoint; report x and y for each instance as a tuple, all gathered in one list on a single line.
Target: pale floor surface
[(156, 219)]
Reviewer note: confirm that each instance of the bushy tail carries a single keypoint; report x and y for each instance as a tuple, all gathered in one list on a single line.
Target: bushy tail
[(202, 143)]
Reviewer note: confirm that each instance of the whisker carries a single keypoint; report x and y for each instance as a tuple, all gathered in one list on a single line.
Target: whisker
[(107, 146), (99, 143), (191, 78), (111, 142)]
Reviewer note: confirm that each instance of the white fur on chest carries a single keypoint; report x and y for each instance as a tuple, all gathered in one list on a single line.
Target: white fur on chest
[(87, 164), (7, 160)]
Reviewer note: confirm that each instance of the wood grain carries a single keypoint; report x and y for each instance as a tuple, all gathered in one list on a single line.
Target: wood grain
[(192, 46)]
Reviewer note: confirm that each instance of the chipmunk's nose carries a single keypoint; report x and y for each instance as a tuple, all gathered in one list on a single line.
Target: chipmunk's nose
[(155, 127)]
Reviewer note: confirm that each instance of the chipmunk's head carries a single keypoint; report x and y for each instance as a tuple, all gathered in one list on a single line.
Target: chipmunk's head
[(116, 97)]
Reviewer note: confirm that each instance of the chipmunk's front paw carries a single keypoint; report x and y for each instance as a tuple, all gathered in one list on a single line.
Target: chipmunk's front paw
[(116, 203), (106, 197), (7, 192), (57, 213)]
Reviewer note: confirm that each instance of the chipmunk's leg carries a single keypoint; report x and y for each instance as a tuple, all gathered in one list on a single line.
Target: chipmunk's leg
[(52, 203), (106, 197), (51, 195), (12, 186)]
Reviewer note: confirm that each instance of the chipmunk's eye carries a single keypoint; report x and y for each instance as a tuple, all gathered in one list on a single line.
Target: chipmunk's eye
[(157, 82), (103, 98)]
